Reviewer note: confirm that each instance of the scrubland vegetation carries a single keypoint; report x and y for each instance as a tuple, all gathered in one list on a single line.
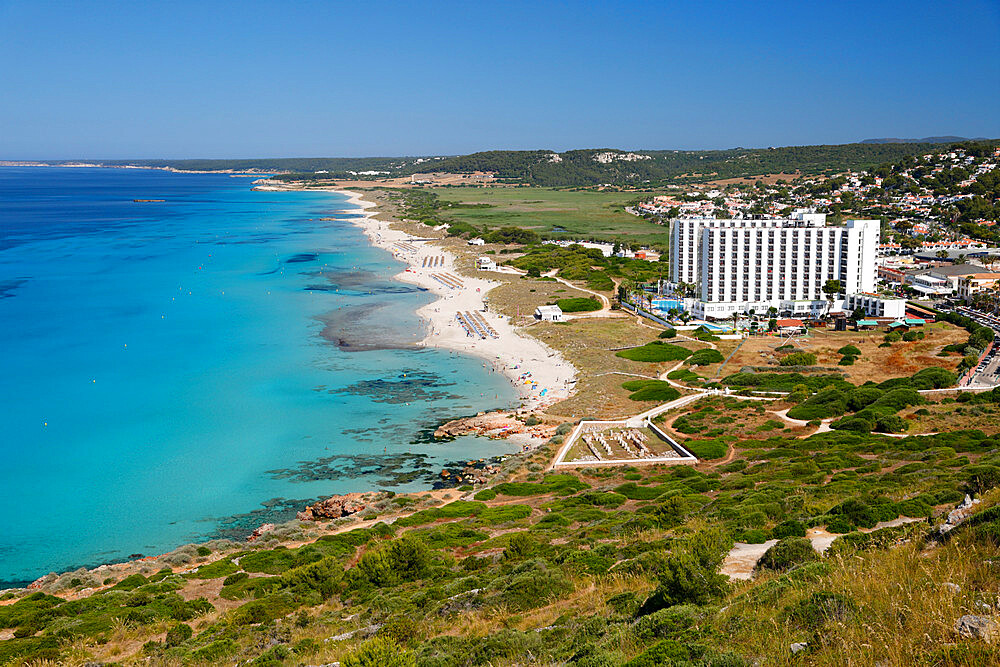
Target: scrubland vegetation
[(614, 566)]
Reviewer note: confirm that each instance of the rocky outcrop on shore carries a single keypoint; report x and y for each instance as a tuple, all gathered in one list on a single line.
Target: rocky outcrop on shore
[(335, 507), (496, 425)]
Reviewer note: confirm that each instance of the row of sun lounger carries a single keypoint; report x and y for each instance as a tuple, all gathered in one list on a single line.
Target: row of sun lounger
[(470, 330), (447, 280), (481, 322), (406, 247), (432, 261)]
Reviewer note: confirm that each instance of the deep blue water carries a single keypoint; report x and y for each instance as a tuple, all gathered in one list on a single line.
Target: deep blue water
[(176, 371)]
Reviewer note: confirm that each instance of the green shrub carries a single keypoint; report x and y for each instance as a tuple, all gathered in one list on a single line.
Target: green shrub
[(980, 478), (633, 491), (892, 337), (862, 397), (798, 359), (891, 424), (454, 510), (579, 304), (178, 634), (486, 494), (849, 351), (503, 514), (235, 578), (655, 352), (549, 484), (754, 536), (789, 528), (706, 449), (379, 652), (666, 652), (899, 398), (829, 402), (788, 382), (846, 361), (839, 525), (857, 512), (668, 333), (691, 574), (788, 553), (404, 559), (820, 608), (534, 584), (855, 424), (651, 390), (705, 357)]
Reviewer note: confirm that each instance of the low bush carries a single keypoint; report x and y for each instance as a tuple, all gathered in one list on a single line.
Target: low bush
[(666, 652), (706, 449), (633, 491), (668, 333), (829, 402), (705, 357), (579, 304), (788, 553), (549, 484), (533, 584), (656, 351), (178, 634), (891, 424), (379, 652), (789, 528), (503, 514), (798, 359), (821, 607), (651, 390), (849, 351)]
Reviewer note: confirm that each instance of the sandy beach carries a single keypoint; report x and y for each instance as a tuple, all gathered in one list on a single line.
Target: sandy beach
[(539, 374)]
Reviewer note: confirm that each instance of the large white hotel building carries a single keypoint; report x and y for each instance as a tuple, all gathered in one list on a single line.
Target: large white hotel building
[(738, 265)]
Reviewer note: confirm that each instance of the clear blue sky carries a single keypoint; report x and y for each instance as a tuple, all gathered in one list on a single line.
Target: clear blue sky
[(254, 79)]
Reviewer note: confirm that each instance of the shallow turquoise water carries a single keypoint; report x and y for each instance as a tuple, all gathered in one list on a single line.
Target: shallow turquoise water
[(170, 371)]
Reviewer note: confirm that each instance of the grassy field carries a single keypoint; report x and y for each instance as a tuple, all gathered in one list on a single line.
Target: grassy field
[(581, 214)]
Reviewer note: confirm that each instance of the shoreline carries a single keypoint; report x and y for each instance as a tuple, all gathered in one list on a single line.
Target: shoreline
[(551, 378), (511, 354)]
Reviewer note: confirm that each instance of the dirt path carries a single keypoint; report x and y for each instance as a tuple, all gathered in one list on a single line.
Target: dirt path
[(743, 558)]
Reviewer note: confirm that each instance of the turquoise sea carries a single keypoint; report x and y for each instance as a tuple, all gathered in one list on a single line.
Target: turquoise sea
[(180, 370)]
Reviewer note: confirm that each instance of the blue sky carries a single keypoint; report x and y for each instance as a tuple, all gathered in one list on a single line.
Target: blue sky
[(254, 79)]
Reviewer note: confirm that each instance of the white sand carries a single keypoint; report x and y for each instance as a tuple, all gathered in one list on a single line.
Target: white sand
[(530, 365)]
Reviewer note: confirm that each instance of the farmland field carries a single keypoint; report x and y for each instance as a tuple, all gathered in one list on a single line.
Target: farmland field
[(555, 214)]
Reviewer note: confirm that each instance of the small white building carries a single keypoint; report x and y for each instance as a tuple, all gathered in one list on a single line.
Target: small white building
[(875, 306), (486, 264), (477, 241), (549, 313)]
